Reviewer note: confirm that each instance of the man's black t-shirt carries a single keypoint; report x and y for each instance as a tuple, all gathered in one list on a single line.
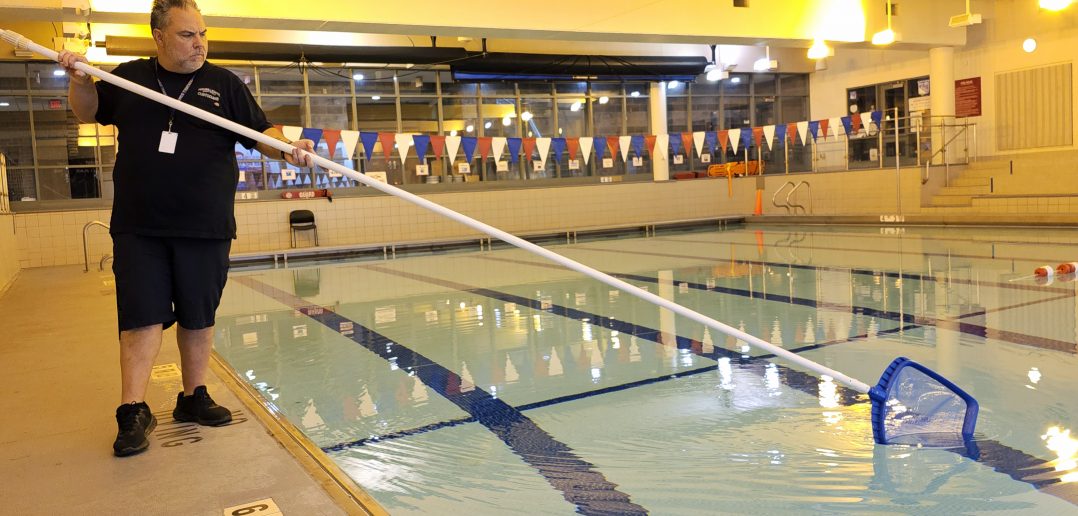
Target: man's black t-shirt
[(190, 193)]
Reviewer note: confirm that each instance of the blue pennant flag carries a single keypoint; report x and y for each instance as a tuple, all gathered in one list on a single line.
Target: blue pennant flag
[(780, 134), (599, 143), (814, 128), (313, 134), (514, 148), (675, 144), (711, 138), (877, 118), (637, 143), (746, 137), (306, 179), (847, 124), (368, 139), (558, 144), (421, 142), (469, 143)]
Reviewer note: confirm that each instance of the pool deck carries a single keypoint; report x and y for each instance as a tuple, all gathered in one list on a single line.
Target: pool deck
[(59, 357)]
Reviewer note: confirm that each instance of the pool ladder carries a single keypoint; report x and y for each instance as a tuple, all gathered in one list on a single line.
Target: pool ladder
[(85, 248), (786, 203)]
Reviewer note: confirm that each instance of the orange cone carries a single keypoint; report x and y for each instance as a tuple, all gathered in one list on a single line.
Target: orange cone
[(759, 203)]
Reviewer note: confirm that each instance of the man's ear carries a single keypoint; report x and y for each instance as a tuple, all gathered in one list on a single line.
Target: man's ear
[(158, 36)]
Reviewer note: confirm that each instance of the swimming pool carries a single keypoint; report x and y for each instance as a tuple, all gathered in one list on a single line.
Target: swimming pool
[(497, 383)]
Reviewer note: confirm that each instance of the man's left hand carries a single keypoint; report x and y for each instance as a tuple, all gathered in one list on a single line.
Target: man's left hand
[(302, 154)]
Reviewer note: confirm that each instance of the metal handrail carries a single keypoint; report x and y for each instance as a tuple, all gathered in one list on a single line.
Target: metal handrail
[(774, 201), (943, 150), (85, 247), (794, 189)]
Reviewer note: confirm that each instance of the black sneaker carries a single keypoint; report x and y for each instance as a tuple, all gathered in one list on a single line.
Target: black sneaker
[(200, 408), (135, 422)]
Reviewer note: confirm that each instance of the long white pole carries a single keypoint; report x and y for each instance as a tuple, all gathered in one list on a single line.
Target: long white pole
[(20, 42)]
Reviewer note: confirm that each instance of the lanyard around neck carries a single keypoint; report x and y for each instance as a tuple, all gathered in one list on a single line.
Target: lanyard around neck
[(172, 112)]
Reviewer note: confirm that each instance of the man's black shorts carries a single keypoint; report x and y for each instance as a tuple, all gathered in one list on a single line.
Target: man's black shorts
[(164, 280)]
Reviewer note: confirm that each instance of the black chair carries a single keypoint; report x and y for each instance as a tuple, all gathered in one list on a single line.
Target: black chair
[(302, 220)]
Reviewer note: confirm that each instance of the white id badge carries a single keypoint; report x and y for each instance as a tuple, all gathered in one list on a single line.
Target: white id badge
[(168, 142)]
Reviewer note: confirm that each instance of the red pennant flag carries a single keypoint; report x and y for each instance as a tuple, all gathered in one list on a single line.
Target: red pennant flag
[(791, 132), (529, 147), (484, 147), (855, 122), (823, 128), (387, 140), (332, 136), (438, 144), (613, 143), (687, 143), (649, 141), (724, 140), (574, 146), (758, 135)]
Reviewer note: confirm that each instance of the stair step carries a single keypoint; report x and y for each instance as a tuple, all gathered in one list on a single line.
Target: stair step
[(971, 181), (963, 190)]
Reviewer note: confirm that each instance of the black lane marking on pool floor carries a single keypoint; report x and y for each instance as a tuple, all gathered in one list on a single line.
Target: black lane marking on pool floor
[(956, 324), (1012, 462), (904, 275), (579, 482)]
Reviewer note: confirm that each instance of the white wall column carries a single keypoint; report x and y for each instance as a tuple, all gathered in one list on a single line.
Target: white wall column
[(660, 167), (941, 77)]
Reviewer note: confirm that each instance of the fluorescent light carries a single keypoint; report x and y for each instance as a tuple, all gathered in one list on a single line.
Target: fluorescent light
[(1029, 45), (1055, 5), (376, 97), (58, 73), (672, 84), (469, 129), (506, 120), (883, 37), (5, 104), (736, 80), (818, 50), (715, 74), (525, 116), (604, 100), (358, 76), (486, 125), (575, 106), (634, 94)]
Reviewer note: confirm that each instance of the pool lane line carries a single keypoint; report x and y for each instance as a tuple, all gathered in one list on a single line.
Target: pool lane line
[(864, 272), (955, 324), (1015, 463), (904, 275), (579, 481), (910, 235)]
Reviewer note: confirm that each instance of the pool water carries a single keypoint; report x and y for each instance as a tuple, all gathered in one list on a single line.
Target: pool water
[(496, 382)]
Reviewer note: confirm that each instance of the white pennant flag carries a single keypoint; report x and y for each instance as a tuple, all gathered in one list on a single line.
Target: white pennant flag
[(624, 142), (511, 374), (585, 148), (836, 127), (467, 383), (350, 139), (452, 143), (543, 144), (769, 135), (803, 130), (292, 132), (698, 142), (662, 144), (735, 137), (866, 122), (497, 146), (404, 141), (555, 367)]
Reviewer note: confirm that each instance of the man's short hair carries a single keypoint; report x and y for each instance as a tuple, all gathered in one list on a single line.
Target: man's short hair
[(159, 12)]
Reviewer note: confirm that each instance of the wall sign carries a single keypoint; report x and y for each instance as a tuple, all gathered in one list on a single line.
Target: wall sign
[(967, 97)]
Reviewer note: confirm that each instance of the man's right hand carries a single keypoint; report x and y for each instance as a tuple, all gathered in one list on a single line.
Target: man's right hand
[(67, 59)]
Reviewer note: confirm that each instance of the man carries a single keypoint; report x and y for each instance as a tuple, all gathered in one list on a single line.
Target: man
[(172, 218)]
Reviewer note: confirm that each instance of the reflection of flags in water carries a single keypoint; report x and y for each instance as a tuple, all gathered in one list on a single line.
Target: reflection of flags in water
[(555, 368)]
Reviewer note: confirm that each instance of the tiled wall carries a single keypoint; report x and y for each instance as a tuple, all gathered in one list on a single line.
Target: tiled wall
[(55, 238), (9, 258)]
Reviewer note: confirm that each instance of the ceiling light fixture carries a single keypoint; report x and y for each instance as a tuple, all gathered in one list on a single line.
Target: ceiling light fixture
[(819, 50), (965, 19), (357, 76), (886, 36), (765, 63), (1029, 45), (604, 100), (1055, 5)]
